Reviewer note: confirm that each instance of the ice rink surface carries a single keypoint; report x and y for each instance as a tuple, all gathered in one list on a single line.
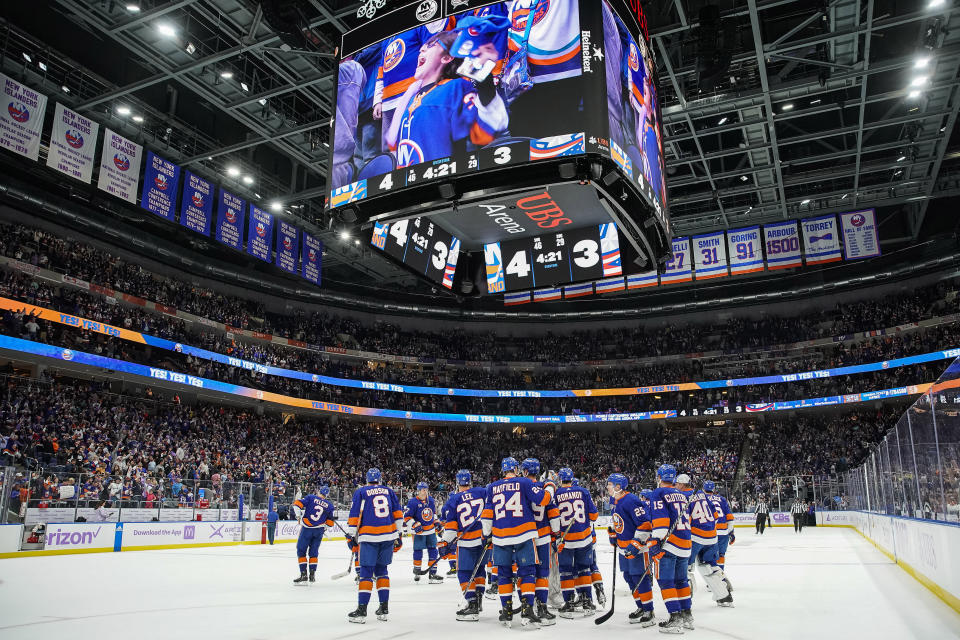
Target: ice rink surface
[(823, 582)]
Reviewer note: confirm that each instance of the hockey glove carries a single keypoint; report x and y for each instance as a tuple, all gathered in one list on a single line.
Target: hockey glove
[(612, 536), (416, 528), (733, 537), (656, 552), (352, 543), (438, 527), (633, 550), (398, 544), (443, 549)]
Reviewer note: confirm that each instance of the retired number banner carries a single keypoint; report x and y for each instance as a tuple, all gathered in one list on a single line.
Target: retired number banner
[(782, 242), (678, 267), (821, 240), (710, 256), (745, 250)]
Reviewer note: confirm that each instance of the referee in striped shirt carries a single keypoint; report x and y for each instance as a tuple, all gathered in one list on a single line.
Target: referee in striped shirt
[(799, 512), (763, 514)]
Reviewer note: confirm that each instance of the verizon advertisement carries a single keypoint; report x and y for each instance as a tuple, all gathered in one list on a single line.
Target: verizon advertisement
[(73, 537)]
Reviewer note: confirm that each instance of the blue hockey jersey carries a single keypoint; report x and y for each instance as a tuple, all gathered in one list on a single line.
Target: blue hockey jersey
[(725, 515), (703, 518), (317, 511), (375, 514), (463, 511), (631, 521), (554, 46), (508, 510), (547, 519), (578, 512), (669, 505), (420, 516)]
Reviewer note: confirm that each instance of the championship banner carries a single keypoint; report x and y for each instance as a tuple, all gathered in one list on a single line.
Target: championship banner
[(119, 166), (230, 219), (860, 237), (745, 250), (782, 241), (311, 253), (821, 240), (161, 180), (73, 141), (710, 256), (678, 267), (196, 207), (643, 280), (260, 233), (22, 121), (287, 247)]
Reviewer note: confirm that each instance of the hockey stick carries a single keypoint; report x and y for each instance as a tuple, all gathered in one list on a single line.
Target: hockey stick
[(613, 589), (433, 563), (353, 557)]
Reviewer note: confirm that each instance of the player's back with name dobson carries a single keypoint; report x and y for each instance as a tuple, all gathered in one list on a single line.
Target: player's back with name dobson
[(375, 512)]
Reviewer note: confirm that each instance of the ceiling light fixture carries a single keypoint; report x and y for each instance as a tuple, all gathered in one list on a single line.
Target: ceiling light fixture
[(813, 102), (42, 65), (913, 95), (344, 235), (901, 158), (27, 57), (263, 102), (137, 119), (133, 8), (744, 178), (787, 106), (190, 49), (722, 120), (275, 206), (233, 172), (243, 85), (226, 75), (921, 62), (918, 81), (166, 30), (807, 201), (124, 111), (247, 179), (844, 196), (65, 89)]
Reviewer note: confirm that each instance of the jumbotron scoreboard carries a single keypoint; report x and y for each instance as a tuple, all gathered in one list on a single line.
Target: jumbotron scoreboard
[(498, 146)]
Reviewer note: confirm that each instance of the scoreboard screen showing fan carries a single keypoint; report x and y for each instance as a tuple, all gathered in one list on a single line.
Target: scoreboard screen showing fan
[(499, 122)]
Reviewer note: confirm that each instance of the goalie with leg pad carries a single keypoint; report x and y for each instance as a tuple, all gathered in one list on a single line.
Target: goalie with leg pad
[(703, 542)]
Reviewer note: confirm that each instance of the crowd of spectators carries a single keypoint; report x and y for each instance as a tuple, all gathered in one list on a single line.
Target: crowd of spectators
[(94, 265), (151, 451)]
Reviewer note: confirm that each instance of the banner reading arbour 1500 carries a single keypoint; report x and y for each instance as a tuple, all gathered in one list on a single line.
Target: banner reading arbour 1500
[(487, 87)]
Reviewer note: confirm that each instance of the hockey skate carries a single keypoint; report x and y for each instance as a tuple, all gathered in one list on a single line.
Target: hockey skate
[(528, 615), (506, 617), (546, 618), (383, 611), (452, 571), (301, 580), (601, 596), (673, 625), (359, 615), (687, 617), (588, 607), (726, 602), (435, 578), (568, 610), (470, 613), (313, 576), (643, 618)]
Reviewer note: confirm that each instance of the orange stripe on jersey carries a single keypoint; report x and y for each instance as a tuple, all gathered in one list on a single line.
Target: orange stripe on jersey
[(574, 536), (397, 88), (352, 521), (594, 516), (397, 515), (505, 589), (679, 542), (307, 522), (383, 583), (487, 514), (297, 503), (509, 532), (329, 522), (555, 60), (703, 533), (371, 530), (472, 535), (479, 136), (661, 522)]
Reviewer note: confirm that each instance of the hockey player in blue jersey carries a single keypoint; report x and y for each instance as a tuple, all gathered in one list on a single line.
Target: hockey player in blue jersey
[(420, 519), (547, 520), (670, 546), (441, 112), (577, 515), (629, 534), (451, 554), (725, 532), (315, 514), (596, 579), (703, 540), (375, 523), (508, 519), (463, 527)]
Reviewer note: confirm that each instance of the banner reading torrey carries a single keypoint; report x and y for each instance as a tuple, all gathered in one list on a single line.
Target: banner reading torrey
[(21, 118), (73, 140), (120, 166)]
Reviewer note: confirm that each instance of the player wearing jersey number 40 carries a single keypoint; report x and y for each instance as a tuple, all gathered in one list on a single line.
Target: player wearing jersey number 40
[(508, 521), (703, 538)]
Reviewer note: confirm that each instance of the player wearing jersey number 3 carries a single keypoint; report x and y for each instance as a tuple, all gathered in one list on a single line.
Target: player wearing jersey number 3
[(315, 513), (375, 523), (508, 520)]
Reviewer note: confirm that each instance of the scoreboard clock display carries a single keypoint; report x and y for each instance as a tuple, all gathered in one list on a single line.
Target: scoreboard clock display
[(556, 257), (422, 246)]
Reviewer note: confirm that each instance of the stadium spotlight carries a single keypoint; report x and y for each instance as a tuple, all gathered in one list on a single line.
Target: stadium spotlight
[(166, 30), (226, 74), (123, 110), (344, 235), (787, 106), (243, 85), (65, 89), (901, 158), (918, 81), (26, 56), (913, 95), (806, 201), (935, 3), (744, 178), (233, 172), (137, 119), (356, 242), (133, 8), (722, 120), (275, 206), (921, 62), (263, 102), (42, 65), (190, 48), (247, 179)]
